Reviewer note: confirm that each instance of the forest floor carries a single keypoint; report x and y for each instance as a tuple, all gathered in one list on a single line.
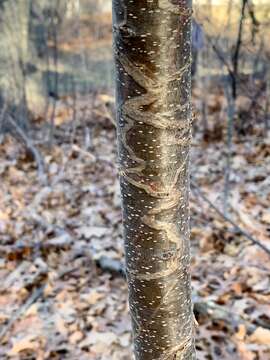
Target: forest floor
[(61, 237)]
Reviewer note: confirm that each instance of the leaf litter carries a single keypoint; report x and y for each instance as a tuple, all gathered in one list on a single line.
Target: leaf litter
[(53, 237)]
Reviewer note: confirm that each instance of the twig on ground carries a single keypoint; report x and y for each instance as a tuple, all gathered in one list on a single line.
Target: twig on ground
[(30, 146), (208, 308), (111, 265), (33, 297), (226, 218), (22, 309), (203, 306)]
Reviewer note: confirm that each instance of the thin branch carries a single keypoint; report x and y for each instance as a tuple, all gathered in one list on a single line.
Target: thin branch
[(54, 94), (206, 307), (30, 146), (22, 309), (221, 56), (236, 54), (33, 298), (2, 116), (230, 131), (226, 218)]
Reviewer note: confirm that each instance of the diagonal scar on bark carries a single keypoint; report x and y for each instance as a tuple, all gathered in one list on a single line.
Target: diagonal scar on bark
[(138, 333)]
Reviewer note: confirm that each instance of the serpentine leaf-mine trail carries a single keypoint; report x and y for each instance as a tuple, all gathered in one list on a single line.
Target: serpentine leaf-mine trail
[(153, 93)]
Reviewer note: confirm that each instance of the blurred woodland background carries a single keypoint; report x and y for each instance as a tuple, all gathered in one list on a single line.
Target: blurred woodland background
[(63, 294)]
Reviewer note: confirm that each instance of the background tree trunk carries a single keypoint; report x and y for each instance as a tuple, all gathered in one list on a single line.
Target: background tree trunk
[(152, 44)]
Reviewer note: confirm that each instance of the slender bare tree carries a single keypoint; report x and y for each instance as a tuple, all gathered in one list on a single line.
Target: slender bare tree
[(152, 45)]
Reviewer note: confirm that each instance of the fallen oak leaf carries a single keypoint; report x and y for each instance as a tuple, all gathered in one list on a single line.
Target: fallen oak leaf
[(27, 343), (93, 297), (261, 336), (104, 338), (241, 333), (266, 217), (76, 337), (92, 231)]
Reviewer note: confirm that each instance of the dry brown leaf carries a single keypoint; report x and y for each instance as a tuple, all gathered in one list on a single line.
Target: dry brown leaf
[(62, 240), (106, 98), (92, 231), (33, 310), (266, 217), (125, 339), (241, 333), (93, 297), (245, 353), (61, 325), (261, 336), (26, 343), (104, 339), (76, 337)]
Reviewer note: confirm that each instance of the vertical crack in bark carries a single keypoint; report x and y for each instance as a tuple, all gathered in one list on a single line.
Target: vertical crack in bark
[(152, 56)]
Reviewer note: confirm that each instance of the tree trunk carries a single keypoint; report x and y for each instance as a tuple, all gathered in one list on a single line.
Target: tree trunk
[(152, 45)]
